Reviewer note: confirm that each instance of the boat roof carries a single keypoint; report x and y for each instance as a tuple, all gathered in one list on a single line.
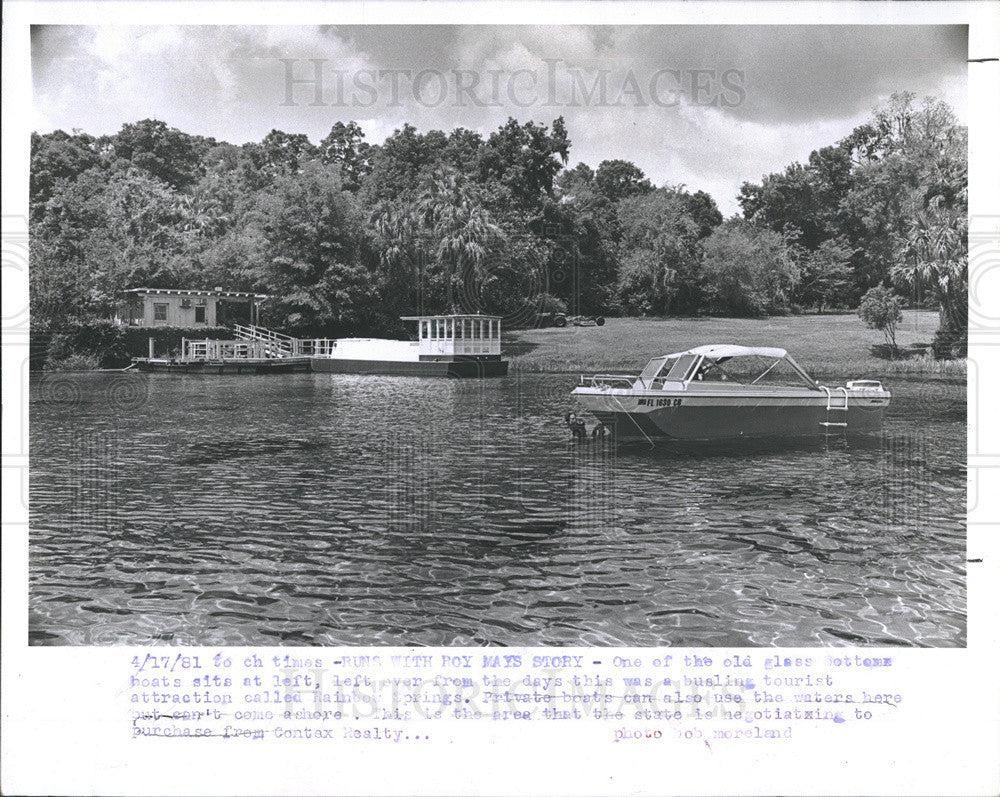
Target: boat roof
[(448, 316), (717, 350), (184, 292)]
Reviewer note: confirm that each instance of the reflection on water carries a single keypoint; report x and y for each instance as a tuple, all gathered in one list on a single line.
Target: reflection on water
[(325, 509)]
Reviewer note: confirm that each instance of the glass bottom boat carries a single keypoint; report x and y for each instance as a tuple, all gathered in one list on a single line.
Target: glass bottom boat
[(722, 392)]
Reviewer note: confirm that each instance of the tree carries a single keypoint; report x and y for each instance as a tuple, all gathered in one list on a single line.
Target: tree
[(579, 177), (58, 158), (931, 243), (863, 196), (704, 211), (882, 309), (401, 164), (312, 265), (583, 263), (524, 159), (346, 147), (164, 152), (435, 242), (279, 154), (619, 179), (904, 158), (826, 274), (935, 252), (63, 229), (787, 202), (747, 270), (660, 264), (461, 230)]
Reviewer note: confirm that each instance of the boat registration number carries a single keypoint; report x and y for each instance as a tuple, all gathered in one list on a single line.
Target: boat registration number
[(659, 402)]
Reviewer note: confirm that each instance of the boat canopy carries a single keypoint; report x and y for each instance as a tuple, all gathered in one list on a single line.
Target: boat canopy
[(716, 351), (746, 365)]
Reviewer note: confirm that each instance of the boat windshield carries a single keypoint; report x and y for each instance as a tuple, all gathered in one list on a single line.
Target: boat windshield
[(652, 369), (752, 369), (679, 370), (669, 369)]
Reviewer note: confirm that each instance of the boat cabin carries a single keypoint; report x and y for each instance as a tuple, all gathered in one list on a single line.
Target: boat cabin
[(451, 335), (172, 307), (723, 365)]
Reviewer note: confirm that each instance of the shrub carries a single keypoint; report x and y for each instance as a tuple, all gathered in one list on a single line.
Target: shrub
[(547, 303), (882, 309), (104, 344), (73, 362)]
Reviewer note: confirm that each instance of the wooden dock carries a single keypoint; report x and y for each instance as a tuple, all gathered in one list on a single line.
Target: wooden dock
[(224, 357)]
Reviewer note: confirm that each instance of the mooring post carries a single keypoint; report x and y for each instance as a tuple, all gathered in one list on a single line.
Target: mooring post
[(151, 343)]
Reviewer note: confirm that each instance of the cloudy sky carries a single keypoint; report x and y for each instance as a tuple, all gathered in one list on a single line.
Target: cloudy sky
[(706, 106)]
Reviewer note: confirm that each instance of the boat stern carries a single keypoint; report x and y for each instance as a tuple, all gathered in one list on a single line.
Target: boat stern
[(866, 402)]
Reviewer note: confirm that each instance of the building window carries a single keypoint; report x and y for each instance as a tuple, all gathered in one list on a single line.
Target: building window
[(199, 315), (159, 311)]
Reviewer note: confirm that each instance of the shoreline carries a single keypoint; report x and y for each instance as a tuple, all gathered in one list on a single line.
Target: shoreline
[(958, 376), (827, 346), (957, 372)]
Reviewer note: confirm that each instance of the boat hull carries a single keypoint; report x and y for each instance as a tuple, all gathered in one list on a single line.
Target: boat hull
[(676, 416), (456, 369), (284, 365)]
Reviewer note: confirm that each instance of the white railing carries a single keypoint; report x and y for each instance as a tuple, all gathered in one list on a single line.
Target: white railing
[(225, 350), (278, 344), (281, 345), (314, 347), (608, 381)]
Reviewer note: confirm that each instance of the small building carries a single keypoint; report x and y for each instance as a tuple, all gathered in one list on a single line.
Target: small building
[(173, 307)]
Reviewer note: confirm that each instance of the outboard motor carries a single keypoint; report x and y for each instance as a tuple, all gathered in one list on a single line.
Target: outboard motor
[(576, 426)]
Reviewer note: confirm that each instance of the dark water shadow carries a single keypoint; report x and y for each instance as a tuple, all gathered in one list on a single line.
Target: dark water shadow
[(741, 449), (221, 450)]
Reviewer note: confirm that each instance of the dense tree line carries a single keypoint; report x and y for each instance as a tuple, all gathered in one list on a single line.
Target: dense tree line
[(345, 235), (887, 205)]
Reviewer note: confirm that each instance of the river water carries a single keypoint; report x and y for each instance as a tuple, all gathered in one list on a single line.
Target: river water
[(320, 509)]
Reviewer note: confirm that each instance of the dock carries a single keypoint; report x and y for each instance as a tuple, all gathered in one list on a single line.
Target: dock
[(224, 357), (456, 345)]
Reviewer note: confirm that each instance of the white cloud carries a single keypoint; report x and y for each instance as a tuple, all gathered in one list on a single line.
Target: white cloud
[(806, 87)]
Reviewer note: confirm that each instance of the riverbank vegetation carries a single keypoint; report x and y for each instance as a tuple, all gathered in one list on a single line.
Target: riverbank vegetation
[(345, 235), (74, 345)]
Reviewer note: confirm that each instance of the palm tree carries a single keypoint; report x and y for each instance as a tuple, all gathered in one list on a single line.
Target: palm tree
[(935, 253), (462, 229), (396, 229)]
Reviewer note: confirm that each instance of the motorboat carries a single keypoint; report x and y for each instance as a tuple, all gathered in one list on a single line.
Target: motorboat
[(723, 392)]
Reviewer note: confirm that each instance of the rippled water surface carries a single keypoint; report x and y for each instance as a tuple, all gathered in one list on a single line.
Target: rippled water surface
[(326, 509)]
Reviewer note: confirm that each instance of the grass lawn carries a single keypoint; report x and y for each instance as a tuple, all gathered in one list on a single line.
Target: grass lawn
[(825, 345)]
